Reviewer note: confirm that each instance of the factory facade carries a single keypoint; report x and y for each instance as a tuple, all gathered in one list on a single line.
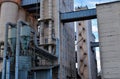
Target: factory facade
[(32, 48)]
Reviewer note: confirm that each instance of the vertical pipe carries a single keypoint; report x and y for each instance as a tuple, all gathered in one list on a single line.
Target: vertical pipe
[(58, 34), (50, 36), (41, 32), (5, 52), (19, 24), (50, 25), (35, 75), (51, 74), (42, 23), (89, 51), (17, 50), (8, 69), (41, 9), (50, 8)]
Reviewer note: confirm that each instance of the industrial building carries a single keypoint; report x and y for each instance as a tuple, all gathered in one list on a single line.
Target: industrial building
[(37, 40), (108, 15), (86, 56), (34, 43)]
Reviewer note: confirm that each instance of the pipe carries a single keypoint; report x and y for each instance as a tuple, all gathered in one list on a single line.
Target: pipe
[(50, 36), (41, 32), (19, 24), (5, 49), (42, 23), (89, 51), (8, 69), (50, 25), (41, 9), (58, 36), (50, 9)]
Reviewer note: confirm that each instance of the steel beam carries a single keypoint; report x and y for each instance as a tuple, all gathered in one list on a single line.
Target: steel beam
[(94, 44), (29, 2), (44, 53), (78, 15)]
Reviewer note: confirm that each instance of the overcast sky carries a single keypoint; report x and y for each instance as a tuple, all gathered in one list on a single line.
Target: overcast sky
[(92, 4)]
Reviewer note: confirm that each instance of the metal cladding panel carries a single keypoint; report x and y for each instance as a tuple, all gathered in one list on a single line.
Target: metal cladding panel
[(25, 31), (78, 15), (23, 74), (44, 74), (24, 62), (29, 2), (12, 33)]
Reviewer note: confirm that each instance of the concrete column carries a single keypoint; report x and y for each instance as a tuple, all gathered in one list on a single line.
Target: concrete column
[(50, 36)]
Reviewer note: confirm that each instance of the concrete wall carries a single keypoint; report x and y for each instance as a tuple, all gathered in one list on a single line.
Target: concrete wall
[(64, 35), (109, 35), (67, 49), (87, 67)]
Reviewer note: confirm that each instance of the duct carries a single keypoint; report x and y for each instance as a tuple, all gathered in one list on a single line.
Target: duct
[(5, 49), (19, 24), (25, 37)]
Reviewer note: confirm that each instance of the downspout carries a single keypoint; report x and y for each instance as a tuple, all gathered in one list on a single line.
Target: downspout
[(19, 24), (5, 50)]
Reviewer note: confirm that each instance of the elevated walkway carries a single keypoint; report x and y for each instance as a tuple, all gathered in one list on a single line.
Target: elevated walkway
[(78, 15)]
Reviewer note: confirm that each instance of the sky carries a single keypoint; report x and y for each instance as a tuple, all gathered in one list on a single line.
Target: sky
[(92, 4)]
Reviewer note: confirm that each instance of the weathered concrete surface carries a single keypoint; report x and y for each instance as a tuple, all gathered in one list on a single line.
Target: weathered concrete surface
[(108, 16)]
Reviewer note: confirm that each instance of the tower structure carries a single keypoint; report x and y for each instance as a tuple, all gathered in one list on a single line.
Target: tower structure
[(86, 56), (29, 53)]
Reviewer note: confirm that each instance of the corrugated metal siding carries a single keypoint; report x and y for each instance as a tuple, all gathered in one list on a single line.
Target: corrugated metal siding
[(28, 2), (44, 74), (24, 62)]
